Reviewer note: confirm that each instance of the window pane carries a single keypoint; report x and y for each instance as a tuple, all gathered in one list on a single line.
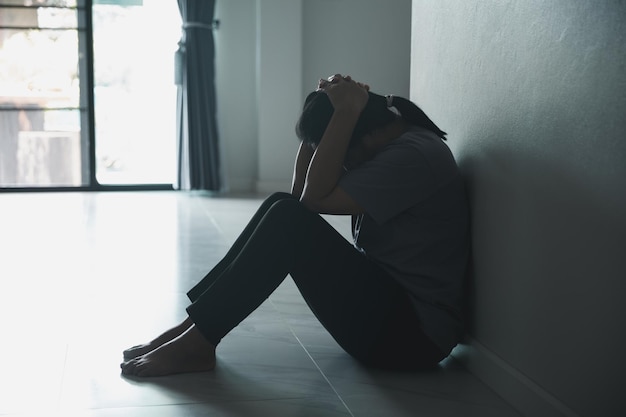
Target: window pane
[(39, 68), (36, 3), (41, 17), (40, 118), (40, 147), (135, 95)]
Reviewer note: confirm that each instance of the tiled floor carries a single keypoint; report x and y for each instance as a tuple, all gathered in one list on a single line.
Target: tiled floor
[(85, 275)]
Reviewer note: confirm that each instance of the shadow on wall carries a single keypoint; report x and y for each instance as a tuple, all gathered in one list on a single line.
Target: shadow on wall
[(532, 94), (541, 219), (548, 264)]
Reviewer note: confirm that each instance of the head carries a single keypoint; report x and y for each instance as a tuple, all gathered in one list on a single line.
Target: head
[(318, 110)]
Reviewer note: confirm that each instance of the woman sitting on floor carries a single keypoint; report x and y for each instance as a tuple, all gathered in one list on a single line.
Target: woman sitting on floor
[(392, 299)]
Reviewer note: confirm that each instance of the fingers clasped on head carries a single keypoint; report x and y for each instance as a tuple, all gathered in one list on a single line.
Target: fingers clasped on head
[(325, 83), (344, 92), (337, 78)]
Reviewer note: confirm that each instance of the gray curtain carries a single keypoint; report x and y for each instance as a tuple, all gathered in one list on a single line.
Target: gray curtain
[(198, 146)]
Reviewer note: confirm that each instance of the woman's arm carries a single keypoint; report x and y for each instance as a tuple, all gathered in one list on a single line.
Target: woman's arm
[(320, 191), (303, 158), (326, 165)]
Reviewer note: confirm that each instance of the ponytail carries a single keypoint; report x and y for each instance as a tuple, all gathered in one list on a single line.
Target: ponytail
[(414, 115)]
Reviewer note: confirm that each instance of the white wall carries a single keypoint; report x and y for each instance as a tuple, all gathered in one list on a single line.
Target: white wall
[(270, 53), (533, 95), (279, 79), (236, 69), (368, 39)]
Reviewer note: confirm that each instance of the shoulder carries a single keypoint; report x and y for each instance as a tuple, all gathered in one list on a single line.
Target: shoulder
[(421, 143), (417, 139), (416, 146)]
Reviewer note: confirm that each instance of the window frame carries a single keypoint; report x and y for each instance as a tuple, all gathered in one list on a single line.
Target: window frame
[(86, 108)]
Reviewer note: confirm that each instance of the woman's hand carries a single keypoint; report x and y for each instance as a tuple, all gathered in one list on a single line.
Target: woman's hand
[(333, 79), (345, 93)]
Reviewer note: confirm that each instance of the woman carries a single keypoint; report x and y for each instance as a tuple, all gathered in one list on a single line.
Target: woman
[(392, 299)]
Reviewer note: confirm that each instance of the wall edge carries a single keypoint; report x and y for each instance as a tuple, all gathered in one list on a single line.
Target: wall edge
[(526, 396)]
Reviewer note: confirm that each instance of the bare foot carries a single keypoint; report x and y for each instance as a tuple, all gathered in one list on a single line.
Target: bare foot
[(189, 352), (170, 334)]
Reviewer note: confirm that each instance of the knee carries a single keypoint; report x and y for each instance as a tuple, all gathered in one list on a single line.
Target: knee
[(289, 204), (276, 197), (280, 196), (273, 199), (285, 220), (289, 209)]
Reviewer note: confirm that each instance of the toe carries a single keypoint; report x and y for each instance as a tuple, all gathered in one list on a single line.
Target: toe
[(128, 367), (144, 369), (142, 372), (133, 352)]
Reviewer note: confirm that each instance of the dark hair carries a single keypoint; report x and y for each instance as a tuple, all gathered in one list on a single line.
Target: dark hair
[(318, 110)]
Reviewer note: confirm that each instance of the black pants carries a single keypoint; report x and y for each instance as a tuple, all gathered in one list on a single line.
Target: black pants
[(367, 312)]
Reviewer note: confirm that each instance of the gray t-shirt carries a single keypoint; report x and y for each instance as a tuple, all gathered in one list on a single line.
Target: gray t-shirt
[(416, 226)]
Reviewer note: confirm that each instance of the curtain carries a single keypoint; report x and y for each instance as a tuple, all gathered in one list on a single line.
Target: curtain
[(197, 138)]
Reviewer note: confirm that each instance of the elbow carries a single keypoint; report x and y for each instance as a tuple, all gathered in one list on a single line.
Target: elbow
[(310, 203), (296, 193)]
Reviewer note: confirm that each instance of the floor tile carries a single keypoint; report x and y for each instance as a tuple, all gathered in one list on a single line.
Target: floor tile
[(258, 361), (442, 392), (85, 275)]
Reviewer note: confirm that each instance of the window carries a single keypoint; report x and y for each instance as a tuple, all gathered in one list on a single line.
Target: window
[(40, 94), (135, 95), (87, 94)]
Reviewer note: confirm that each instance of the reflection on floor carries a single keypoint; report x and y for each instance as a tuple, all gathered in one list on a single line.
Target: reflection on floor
[(85, 275)]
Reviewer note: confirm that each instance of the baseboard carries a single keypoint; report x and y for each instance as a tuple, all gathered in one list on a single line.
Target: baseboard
[(521, 392)]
